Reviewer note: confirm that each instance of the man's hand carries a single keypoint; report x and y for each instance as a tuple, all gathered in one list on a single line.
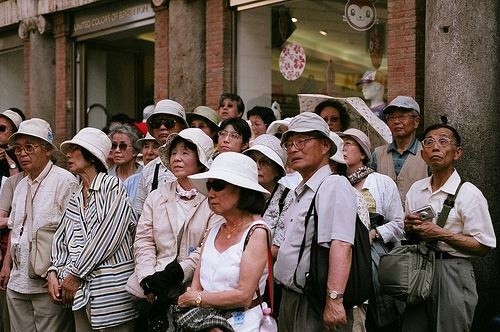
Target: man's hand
[(53, 288), (69, 287), (424, 229), (4, 276), (334, 314)]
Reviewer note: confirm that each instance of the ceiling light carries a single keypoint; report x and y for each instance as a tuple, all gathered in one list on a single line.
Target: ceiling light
[(294, 20), (323, 32)]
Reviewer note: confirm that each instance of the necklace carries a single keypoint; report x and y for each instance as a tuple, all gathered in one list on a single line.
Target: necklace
[(228, 233)]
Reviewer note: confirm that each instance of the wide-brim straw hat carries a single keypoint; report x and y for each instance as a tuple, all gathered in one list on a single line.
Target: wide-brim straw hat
[(34, 127), (93, 140), (270, 147), (204, 145), (232, 167)]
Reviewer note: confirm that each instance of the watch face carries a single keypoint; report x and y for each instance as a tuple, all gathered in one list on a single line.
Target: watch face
[(333, 294)]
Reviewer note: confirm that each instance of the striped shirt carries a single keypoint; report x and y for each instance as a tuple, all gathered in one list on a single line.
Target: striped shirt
[(96, 244)]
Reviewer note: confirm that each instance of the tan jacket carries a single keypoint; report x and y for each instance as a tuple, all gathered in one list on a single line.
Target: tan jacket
[(158, 237)]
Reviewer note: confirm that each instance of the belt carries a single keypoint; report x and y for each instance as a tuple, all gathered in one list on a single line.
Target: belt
[(444, 255), (228, 314)]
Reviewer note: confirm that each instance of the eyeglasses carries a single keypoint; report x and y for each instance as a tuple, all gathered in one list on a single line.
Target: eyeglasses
[(231, 135), (298, 143), (399, 117), (3, 128), (121, 146), (442, 141), (216, 185), (263, 162), (28, 148), (157, 122)]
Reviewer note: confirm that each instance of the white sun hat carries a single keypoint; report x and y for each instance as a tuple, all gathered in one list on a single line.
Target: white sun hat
[(34, 127), (146, 138), (232, 167), (93, 140), (13, 117), (274, 127), (270, 147), (168, 106), (204, 145), (361, 138), (339, 142)]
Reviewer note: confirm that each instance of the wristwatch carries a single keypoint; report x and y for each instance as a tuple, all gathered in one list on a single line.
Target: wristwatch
[(12, 166), (197, 301), (334, 294)]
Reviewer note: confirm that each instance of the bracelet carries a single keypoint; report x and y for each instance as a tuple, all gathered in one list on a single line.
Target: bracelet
[(197, 301)]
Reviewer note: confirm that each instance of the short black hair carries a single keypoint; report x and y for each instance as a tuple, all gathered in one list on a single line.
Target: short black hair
[(190, 145), (456, 135), (233, 96), (265, 113), (345, 119), (92, 159), (251, 201), (240, 126)]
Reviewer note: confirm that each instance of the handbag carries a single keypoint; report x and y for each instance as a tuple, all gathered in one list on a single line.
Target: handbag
[(407, 271), (359, 285), (40, 252)]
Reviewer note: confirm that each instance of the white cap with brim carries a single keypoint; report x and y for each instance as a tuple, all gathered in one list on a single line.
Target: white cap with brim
[(361, 138), (146, 138), (93, 140), (167, 106), (34, 127), (232, 167), (405, 102), (13, 117), (270, 147), (204, 145), (308, 122)]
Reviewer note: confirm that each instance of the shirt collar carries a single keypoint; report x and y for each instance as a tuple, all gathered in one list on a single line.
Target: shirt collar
[(449, 187), (97, 182), (315, 180), (42, 174), (412, 148)]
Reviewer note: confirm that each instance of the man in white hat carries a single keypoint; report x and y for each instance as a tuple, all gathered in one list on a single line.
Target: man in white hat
[(39, 200), (401, 160), (168, 117), (309, 147)]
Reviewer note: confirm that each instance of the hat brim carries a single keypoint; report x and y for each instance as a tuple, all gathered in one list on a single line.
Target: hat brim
[(269, 153), (163, 151), (366, 149), (84, 144), (14, 136), (199, 181), (191, 116)]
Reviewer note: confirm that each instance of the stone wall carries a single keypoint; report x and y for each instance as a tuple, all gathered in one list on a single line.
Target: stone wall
[(461, 86)]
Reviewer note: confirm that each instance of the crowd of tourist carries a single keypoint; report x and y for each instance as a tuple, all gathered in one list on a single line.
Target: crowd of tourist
[(190, 226)]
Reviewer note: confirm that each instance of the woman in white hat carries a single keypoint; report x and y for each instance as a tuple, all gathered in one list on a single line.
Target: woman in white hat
[(381, 195), (172, 225), (232, 265), (92, 250), (270, 158)]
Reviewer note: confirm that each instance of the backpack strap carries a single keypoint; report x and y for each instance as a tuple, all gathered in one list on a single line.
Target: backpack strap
[(154, 185), (281, 202)]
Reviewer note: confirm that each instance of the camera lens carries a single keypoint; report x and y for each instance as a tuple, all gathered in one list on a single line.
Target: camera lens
[(424, 215)]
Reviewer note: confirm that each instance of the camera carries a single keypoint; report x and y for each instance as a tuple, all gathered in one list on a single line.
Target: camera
[(425, 213)]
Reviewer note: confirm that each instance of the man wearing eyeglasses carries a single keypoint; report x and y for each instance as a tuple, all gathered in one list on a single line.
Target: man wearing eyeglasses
[(309, 146), (401, 159), (40, 200), (467, 232), (168, 117)]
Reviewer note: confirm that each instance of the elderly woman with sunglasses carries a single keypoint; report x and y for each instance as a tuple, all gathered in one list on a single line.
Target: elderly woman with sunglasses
[(270, 158), (92, 254), (232, 267), (124, 148), (171, 228)]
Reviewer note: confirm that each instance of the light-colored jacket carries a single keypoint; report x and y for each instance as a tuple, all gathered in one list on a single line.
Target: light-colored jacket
[(159, 236)]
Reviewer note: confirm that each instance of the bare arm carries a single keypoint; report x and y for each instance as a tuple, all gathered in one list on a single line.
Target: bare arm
[(339, 267)]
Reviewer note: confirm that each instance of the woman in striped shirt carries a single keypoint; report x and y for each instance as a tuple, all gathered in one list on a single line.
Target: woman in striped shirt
[(92, 253)]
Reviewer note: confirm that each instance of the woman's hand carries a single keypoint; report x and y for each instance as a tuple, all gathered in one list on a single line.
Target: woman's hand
[(69, 287), (188, 299), (4, 276), (54, 288)]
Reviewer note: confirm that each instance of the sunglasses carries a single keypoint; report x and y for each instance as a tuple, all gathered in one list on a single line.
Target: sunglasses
[(3, 128), (121, 146), (156, 123), (216, 185)]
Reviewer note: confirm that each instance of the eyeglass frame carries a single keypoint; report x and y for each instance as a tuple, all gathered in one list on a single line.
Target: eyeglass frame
[(120, 147), (231, 135), (299, 143), (447, 141), (28, 148), (402, 117), (158, 121)]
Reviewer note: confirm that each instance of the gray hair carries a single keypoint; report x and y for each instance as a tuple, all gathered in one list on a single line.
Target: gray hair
[(128, 130)]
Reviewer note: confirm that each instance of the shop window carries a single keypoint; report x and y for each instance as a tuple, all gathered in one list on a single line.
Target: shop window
[(340, 41)]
